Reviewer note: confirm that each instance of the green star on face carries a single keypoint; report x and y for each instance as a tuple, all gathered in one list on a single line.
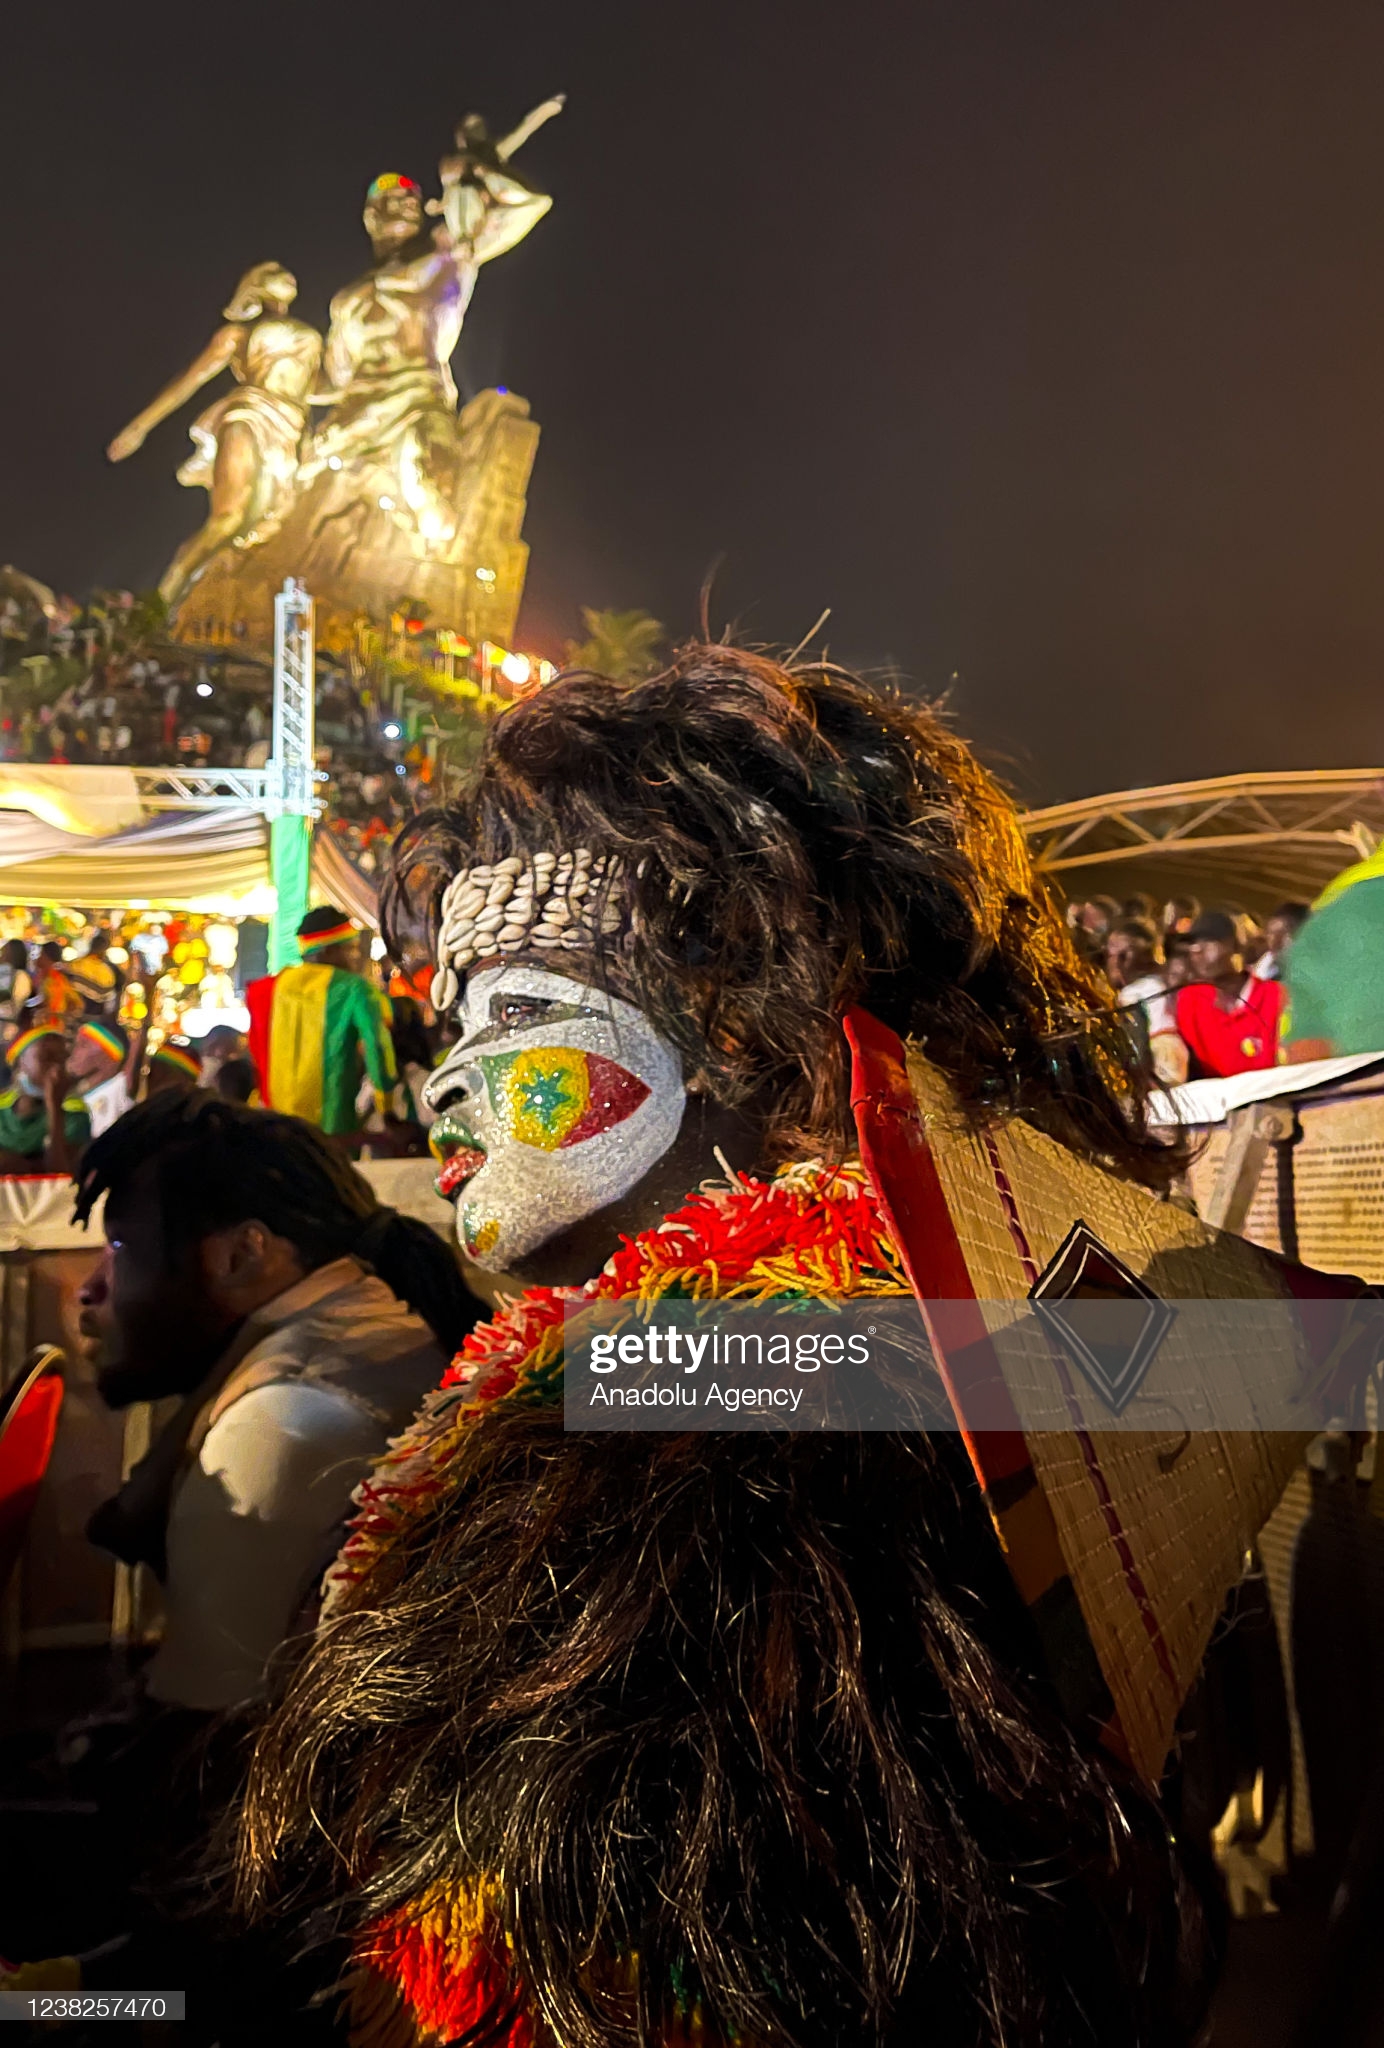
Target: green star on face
[(543, 1095)]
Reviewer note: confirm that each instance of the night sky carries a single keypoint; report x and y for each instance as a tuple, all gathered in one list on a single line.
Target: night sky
[(1044, 342)]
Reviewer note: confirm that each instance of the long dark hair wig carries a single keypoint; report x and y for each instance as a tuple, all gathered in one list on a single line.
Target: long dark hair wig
[(795, 841), (750, 1731)]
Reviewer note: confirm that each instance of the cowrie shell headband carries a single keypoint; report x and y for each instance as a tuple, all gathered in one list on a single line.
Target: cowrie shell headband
[(554, 902)]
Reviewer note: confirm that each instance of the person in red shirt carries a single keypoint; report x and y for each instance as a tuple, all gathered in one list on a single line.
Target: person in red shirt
[(1227, 1018)]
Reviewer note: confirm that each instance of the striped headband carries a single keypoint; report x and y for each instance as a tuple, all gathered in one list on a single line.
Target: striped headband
[(554, 902), (102, 1035), (391, 181), (177, 1056), (30, 1037), (334, 935)]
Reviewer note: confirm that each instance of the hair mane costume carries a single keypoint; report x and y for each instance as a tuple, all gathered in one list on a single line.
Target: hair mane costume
[(626, 1740)]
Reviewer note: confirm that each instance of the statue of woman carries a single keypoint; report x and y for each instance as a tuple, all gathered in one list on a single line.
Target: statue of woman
[(247, 443)]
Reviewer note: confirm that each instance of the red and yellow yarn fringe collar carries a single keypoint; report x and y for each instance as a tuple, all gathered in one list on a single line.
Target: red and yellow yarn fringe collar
[(813, 1232)]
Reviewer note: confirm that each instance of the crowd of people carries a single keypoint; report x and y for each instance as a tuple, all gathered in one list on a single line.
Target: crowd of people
[(81, 1039), (152, 709), (509, 1729), (1204, 991)]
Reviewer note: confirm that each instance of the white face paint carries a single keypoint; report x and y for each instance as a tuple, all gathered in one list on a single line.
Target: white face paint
[(555, 1101)]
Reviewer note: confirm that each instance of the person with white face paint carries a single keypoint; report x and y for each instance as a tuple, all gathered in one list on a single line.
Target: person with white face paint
[(556, 1100), (644, 1738)]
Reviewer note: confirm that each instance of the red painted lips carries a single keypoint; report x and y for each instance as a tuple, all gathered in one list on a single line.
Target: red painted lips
[(457, 1168)]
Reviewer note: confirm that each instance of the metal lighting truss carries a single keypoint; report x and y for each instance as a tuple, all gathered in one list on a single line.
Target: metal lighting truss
[(292, 772), (1251, 840), (202, 789)]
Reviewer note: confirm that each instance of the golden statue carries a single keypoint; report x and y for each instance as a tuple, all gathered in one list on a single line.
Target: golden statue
[(247, 444), (393, 333), (397, 495)]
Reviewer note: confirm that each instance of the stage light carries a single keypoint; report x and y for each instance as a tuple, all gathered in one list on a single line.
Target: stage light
[(204, 689), (333, 462), (515, 668), (386, 504), (393, 732)]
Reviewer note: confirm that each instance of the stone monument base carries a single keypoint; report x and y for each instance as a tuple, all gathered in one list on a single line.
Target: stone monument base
[(356, 559)]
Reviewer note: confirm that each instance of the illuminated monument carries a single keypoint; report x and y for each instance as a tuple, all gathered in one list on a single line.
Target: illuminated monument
[(346, 463)]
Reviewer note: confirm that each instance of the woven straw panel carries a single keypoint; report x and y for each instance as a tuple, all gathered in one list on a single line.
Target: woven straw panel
[(1338, 1186), (1184, 1530), (1261, 1224)]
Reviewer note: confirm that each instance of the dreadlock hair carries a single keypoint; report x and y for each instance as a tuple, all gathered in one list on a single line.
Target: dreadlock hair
[(216, 1163), (795, 840)]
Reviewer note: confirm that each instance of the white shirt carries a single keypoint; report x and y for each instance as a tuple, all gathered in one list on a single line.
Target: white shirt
[(1159, 1007), (250, 1531), (107, 1101), (254, 1520)]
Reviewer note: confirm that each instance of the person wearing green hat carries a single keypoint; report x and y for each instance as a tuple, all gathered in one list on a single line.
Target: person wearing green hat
[(317, 1028)]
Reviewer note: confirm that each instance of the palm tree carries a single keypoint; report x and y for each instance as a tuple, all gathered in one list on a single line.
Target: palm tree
[(622, 645)]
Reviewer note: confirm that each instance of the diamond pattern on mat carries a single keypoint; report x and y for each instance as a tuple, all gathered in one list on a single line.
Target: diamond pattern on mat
[(1114, 1336)]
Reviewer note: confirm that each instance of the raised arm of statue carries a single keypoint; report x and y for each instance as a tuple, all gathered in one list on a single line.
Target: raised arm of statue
[(218, 355), (530, 125)]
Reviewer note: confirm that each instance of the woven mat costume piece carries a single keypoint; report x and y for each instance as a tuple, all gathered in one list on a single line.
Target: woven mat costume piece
[(1124, 1541), (1123, 1552)]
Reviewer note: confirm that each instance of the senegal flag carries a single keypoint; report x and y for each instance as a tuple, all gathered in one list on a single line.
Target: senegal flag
[(314, 1033)]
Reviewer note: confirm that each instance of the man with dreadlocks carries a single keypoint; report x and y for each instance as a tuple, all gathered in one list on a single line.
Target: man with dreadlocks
[(646, 1740), (249, 1270), (250, 1276)]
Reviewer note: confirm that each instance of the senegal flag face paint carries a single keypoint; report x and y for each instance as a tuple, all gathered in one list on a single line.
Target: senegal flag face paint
[(553, 1096), (556, 1100)]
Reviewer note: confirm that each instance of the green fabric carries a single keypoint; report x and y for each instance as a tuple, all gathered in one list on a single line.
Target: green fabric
[(290, 860), (28, 1135), (1335, 967), (355, 1041), (1363, 871)]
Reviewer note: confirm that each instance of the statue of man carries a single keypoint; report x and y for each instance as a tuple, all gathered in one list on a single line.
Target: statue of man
[(386, 372)]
